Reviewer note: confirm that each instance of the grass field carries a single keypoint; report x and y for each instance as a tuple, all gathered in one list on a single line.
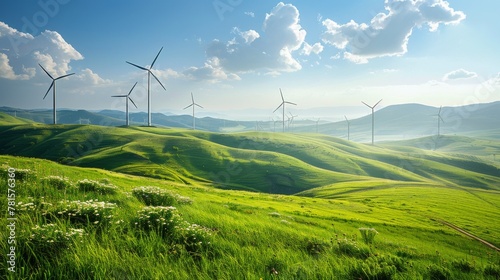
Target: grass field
[(251, 235), (243, 206)]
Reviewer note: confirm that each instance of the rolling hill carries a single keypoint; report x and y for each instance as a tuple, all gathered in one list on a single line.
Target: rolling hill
[(258, 161), (395, 122), (286, 204)]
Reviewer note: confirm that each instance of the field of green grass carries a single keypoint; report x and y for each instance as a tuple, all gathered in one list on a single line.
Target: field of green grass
[(245, 205), (243, 235)]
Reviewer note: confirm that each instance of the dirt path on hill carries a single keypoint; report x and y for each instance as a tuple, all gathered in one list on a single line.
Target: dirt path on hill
[(469, 235)]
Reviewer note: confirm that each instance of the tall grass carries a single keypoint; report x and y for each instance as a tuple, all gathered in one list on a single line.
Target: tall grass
[(243, 235)]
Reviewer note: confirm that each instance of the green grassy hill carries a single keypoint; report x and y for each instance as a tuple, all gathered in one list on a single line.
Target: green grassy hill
[(86, 223), (264, 162)]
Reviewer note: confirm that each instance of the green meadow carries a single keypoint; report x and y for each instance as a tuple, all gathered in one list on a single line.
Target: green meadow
[(98, 202)]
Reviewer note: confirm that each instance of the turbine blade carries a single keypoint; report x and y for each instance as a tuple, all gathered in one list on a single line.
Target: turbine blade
[(140, 67), (440, 110), (131, 101), (366, 104), (51, 85), (64, 76), (46, 71), (157, 79), (131, 89), (441, 118), (119, 95), (290, 103), (192, 98), (188, 106), (156, 58), (279, 107), (282, 98), (377, 103), (346, 118), (198, 105)]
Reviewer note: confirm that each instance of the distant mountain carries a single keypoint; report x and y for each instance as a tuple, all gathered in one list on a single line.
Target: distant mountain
[(396, 122)]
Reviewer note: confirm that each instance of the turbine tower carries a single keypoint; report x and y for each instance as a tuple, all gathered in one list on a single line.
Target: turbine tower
[(192, 105), (373, 117), (283, 105), (348, 128), (127, 98), (150, 73), (53, 86), (440, 119)]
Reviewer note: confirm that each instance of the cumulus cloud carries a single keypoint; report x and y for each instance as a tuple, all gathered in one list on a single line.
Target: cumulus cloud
[(211, 72), (270, 50), (7, 72), (88, 76), (388, 33), (459, 74), (250, 14), (308, 49), (22, 51)]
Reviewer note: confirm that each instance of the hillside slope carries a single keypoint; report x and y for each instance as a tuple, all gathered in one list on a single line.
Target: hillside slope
[(264, 162)]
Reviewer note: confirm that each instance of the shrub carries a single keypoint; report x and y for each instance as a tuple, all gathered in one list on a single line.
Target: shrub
[(351, 248), (164, 220), (94, 186), (315, 247), (368, 235), (463, 265), (83, 212), (438, 272), (154, 196), (49, 239), (57, 182), (195, 238), (492, 270), (379, 267)]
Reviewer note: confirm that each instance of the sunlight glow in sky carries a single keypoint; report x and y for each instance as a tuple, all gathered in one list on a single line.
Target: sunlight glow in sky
[(235, 55)]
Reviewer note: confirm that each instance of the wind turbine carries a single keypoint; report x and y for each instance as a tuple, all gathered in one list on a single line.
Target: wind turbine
[(53, 86), (192, 105), (290, 120), (440, 119), (127, 98), (373, 117), (283, 105), (150, 73), (348, 128)]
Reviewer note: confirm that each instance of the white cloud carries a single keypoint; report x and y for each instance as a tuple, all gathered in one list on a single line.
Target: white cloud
[(270, 51), (248, 36), (388, 33), (459, 74), (317, 48), (211, 72), (250, 14), (88, 76), (7, 72), (22, 52)]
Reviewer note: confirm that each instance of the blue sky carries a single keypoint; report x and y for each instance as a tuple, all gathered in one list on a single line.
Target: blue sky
[(234, 55)]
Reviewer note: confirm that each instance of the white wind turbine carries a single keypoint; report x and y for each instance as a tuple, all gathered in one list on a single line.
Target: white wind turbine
[(348, 128), (127, 98), (53, 86), (373, 117), (150, 73), (440, 119), (283, 105), (193, 104)]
